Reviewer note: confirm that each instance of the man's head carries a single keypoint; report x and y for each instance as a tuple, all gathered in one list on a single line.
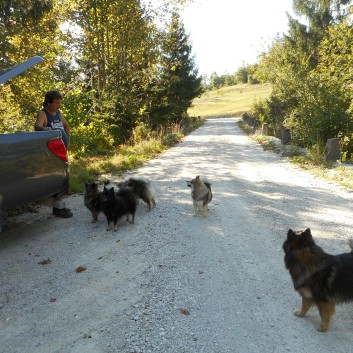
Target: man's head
[(53, 100)]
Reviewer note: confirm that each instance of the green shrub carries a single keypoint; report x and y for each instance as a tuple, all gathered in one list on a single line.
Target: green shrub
[(141, 132), (91, 139)]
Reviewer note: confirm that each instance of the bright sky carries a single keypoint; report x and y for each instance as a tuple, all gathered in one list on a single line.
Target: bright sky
[(226, 34)]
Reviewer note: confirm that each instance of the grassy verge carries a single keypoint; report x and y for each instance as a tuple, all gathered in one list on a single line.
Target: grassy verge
[(127, 157)]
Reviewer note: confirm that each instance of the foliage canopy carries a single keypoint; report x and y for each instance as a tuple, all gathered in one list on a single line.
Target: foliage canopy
[(311, 72), (115, 66)]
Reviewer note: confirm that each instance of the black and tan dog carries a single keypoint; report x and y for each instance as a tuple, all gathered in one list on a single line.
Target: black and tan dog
[(92, 199), (321, 279)]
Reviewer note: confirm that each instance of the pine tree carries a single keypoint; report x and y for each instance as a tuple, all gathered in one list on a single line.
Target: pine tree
[(179, 82), (320, 14)]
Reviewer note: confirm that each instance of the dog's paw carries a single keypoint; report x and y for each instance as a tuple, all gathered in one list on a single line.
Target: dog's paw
[(322, 328), (299, 313)]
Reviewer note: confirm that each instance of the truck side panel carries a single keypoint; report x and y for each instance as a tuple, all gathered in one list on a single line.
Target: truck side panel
[(29, 171)]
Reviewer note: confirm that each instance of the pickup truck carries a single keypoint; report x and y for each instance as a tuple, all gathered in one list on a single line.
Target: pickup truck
[(33, 165)]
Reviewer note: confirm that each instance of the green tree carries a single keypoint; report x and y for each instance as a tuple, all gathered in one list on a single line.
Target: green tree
[(321, 112), (17, 16), (118, 53), (307, 97), (230, 80), (336, 64), (117, 77), (30, 28), (178, 82), (336, 52), (319, 15), (217, 81), (242, 75), (286, 68), (252, 73)]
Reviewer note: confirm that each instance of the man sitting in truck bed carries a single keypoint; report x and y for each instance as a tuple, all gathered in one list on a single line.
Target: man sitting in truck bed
[(51, 118)]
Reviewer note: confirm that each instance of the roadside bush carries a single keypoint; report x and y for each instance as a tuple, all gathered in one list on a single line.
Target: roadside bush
[(92, 138), (190, 123), (141, 132), (321, 112), (261, 110), (271, 111), (347, 149), (171, 135)]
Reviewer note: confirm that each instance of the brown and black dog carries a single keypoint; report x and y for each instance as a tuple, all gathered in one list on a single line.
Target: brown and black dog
[(321, 279)]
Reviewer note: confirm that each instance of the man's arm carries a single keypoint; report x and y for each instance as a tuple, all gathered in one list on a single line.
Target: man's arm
[(66, 128), (41, 122)]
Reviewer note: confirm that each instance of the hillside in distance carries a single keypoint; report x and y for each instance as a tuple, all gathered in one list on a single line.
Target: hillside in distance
[(229, 101)]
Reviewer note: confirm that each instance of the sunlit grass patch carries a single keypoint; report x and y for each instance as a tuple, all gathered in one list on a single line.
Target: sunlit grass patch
[(229, 101)]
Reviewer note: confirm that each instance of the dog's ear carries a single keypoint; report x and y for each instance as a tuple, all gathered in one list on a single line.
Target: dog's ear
[(307, 234), (290, 234)]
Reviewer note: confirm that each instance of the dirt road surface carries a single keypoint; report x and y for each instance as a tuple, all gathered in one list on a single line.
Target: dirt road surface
[(172, 282)]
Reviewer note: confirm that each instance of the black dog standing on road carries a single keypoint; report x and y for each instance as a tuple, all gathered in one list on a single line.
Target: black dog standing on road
[(116, 205)]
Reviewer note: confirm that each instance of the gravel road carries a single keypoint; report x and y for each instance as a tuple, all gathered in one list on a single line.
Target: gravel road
[(172, 282)]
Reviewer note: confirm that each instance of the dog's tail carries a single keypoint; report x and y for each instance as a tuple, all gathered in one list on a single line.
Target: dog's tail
[(208, 185), (151, 190), (209, 196)]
